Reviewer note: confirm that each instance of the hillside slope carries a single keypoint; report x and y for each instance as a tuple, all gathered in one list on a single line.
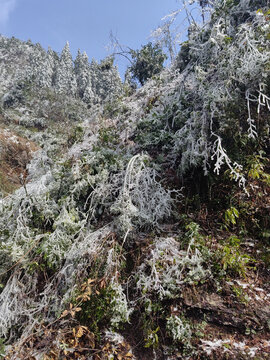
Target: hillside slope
[(141, 226)]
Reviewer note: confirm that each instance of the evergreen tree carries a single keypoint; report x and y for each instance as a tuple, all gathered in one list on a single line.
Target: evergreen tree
[(46, 69), (52, 60), (89, 96), (36, 58), (105, 80), (82, 73), (65, 79), (40, 66), (147, 62)]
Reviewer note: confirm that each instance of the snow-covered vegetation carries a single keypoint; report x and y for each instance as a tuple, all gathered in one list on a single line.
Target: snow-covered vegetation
[(26, 64), (136, 213)]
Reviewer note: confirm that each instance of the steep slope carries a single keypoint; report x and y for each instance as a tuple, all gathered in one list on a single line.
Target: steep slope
[(147, 235), (46, 97)]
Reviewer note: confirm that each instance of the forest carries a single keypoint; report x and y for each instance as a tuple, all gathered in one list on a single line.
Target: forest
[(134, 213)]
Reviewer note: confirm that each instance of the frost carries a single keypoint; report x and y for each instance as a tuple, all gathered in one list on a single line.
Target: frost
[(229, 60), (210, 346), (179, 330), (120, 308), (167, 268), (92, 82), (142, 201), (114, 337), (222, 158), (252, 351), (88, 197)]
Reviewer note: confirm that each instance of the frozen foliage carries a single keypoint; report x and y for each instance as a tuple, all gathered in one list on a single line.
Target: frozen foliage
[(120, 309), (33, 224), (64, 79), (167, 268), (105, 80), (117, 341), (114, 337), (15, 303), (41, 67), (70, 219), (31, 64), (39, 165), (21, 303), (47, 223), (223, 66), (222, 158), (81, 69), (179, 330), (142, 200)]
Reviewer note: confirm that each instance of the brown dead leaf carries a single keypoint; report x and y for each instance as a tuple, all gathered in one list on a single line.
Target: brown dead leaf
[(129, 355), (80, 332), (102, 284)]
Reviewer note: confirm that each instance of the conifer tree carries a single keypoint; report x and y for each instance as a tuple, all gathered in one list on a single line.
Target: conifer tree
[(105, 79), (82, 73), (65, 79), (47, 66), (52, 60), (36, 58), (40, 66)]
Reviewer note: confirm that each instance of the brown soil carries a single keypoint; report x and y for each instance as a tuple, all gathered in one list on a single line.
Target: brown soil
[(15, 154)]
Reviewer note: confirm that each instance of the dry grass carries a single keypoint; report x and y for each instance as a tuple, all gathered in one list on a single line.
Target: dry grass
[(15, 154)]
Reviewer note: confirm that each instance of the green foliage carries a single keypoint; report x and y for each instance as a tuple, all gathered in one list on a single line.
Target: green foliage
[(108, 137), (233, 261), (2, 348), (256, 167), (152, 339), (231, 215), (151, 133), (193, 232), (200, 329), (152, 312), (34, 266), (183, 56), (146, 62), (96, 311), (102, 305), (240, 294), (197, 241), (250, 332)]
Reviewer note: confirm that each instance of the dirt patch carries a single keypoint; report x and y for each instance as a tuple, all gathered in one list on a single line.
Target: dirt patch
[(15, 154)]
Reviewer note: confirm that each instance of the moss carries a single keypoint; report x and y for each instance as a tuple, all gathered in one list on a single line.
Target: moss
[(96, 312)]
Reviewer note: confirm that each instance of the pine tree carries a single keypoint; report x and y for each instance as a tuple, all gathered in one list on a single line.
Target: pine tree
[(36, 58), (105, 79), (53, 61), (65, 80), (46, 70), (82, 73)]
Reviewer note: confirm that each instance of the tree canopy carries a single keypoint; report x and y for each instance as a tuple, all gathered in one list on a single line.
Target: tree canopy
[(146, 62)]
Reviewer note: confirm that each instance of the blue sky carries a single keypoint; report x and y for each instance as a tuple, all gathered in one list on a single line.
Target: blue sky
[(86, 24)]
